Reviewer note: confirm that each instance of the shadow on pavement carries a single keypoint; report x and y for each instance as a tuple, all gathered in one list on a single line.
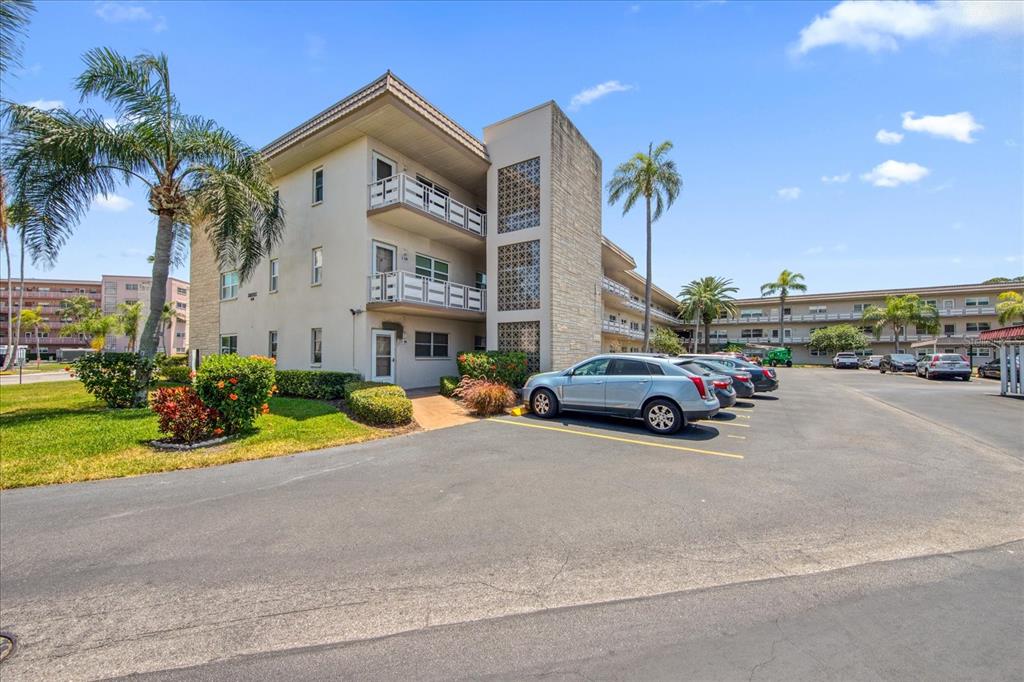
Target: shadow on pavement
[(629, 428)]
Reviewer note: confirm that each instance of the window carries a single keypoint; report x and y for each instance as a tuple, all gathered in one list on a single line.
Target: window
[(127, 301), (817, 309), (750, 312), (787, 311), (860, 307), (383, 167), (315, 338), (229, 285), (318, 185), (317, 272), (180, 305), (481, 280), (624, 367), (228, 344), (594, 368), (426, 182), (479, 343), (932, 302), (976, 302), (978, 326), (272, 344), (273, 274), (431, 345), (947, 304), (432, 268), (384, 258), (751, 333), (787, 332), (949, 329), (655, 369), (182, 291), (130, 286)]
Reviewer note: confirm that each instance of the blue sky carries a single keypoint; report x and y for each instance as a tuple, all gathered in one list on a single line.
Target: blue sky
[(764, 102)]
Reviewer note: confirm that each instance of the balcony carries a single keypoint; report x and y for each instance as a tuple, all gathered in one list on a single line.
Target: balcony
[(412, 294), (621, 329), (405, 202), (621, 294)]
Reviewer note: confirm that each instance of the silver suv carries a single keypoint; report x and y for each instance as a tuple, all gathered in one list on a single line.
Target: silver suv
[(637, 386)]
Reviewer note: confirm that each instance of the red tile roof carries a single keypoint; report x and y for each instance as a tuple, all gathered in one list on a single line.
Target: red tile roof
[(1004, 334)]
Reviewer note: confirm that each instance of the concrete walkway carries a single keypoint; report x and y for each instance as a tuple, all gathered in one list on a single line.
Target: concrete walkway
[(433, 411), (35, 377)]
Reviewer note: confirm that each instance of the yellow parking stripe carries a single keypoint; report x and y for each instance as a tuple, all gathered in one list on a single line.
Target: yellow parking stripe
[(724, 422), (729, 435), (617, 438)]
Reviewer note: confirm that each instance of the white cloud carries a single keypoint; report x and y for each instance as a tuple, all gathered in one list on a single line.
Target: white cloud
[(126, 12), (835, 179), (592, 94), (46, 104), (112, 202), (884, 136), (814, 250), (789, 193), (957, 126), (876, 25), (1011, 259), (894, 173), (948, 184)]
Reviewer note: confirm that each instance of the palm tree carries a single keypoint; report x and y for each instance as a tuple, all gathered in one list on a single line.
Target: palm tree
[(704, 300), (899, 312), (655, 178), (197, 174), (128, 315), (14, 16), (1010, 307), (33, 321), (786, 281)]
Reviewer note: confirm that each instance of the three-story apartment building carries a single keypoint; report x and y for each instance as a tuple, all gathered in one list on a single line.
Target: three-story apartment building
[(622, 289), (965, 310), (408, 239)]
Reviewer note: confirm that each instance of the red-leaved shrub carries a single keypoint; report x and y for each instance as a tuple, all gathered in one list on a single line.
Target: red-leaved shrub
[(183, 416), (484, 397)]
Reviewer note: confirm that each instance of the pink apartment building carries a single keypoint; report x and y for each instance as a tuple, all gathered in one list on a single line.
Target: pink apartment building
[(130, 289)]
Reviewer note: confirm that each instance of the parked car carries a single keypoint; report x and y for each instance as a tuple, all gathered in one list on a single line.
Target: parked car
[(845, 360), (871, 362), (897, 362), (992, 369), (722, 383), (764, 378), (741, 381), (648, 387), (944, 365)]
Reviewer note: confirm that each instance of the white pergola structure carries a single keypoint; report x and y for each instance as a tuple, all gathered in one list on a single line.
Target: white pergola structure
[(1010, 341)]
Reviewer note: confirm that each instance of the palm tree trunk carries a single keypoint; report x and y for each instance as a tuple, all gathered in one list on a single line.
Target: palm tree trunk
[(696, 328), (782, 324), (158, 286), (647, 285), (12, 343), (37, 349), (21, 288)]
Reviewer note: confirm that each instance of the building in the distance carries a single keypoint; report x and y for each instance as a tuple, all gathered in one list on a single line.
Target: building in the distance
[(46, 295), (119, 289), (965, 310), (409, 239), (622, 295)]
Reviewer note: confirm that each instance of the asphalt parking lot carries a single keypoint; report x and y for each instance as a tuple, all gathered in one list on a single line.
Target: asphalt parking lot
[(844, 498)]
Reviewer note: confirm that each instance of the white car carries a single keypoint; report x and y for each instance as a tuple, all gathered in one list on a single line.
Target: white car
[(846, 361), (872, 362)]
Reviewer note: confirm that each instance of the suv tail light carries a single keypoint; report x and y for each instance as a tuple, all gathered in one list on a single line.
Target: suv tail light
[(718, 383), (964, 358), (935, 362), (699, 383)]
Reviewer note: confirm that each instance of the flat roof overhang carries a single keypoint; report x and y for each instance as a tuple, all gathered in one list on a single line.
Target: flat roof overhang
[(614, 258), (419, 221), (427, 310), (395, 114)]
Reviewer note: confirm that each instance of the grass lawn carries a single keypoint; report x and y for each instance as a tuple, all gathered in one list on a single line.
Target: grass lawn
[(57, 433)]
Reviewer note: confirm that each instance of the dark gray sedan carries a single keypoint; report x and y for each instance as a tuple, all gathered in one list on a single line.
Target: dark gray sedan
[(741, 381)]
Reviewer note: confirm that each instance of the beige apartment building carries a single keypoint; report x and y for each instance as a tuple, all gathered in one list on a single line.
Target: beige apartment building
[(965, 310), (46, 296), (119, 289), (408, 239)]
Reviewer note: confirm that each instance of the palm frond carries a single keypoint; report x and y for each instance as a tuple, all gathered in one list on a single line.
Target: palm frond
[(134, 87), (14, 18)]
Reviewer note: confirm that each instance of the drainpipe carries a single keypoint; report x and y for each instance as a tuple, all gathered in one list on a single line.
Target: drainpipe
[(355, 313)]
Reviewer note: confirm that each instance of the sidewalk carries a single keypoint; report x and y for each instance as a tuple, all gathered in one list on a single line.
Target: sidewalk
[(34, 377), (433, 411)]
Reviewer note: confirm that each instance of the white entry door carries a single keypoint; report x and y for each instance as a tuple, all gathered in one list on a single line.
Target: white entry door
[(383, 360)]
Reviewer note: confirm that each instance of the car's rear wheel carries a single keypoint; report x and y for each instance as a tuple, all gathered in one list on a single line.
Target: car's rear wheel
[(663, 417), (544, 404)]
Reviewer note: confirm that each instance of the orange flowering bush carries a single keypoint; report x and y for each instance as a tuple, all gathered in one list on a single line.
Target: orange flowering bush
[(237, 387)]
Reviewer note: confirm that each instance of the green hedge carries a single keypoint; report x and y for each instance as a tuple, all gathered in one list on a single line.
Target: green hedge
[(177, 374), (358, 385), (304, 383), (379, 404), (448, 386), (508, 368), (118, 379)]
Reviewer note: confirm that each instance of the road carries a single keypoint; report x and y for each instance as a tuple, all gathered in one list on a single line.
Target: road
[(828, 507), (34, 377)]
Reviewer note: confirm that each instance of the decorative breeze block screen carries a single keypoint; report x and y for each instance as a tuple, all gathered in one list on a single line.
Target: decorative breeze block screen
[(524, 337), (519, 196), (519, 276)]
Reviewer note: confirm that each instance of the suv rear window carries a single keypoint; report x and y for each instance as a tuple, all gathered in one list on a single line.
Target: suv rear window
[(950, 358), (903, 357)]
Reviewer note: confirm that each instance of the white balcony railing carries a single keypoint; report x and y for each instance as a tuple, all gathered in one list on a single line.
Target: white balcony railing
[(403, 189), (622, 329), (623, 292), (408, 287)]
